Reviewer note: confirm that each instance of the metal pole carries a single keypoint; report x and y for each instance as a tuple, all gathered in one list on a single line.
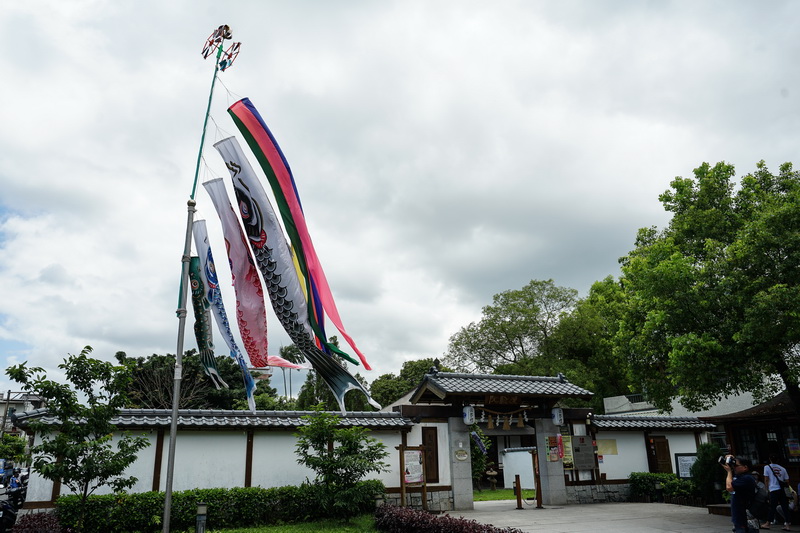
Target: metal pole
[(5, 415), (176, 390), (184, 286)]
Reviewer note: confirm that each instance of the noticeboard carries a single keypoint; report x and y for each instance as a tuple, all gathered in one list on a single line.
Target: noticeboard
[(413, 465), (582, 452), (683, 464)]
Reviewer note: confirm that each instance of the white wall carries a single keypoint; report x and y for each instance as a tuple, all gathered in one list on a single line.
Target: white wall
[(632, 451), (217, 458), (206, 459), (680, 443), (631, 454)]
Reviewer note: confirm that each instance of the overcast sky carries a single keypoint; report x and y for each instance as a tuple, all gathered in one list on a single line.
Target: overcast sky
[(444, 151)]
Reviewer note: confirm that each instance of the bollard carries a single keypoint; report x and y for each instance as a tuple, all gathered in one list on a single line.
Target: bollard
[(202, 512)]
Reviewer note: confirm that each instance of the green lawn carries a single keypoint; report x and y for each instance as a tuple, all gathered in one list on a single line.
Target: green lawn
[(361, 524), (502, 494)]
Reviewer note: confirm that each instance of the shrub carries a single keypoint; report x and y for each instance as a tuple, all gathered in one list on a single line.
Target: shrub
[(39, 523), (676, 486), (643, 484), (390, 519), (706, 472)]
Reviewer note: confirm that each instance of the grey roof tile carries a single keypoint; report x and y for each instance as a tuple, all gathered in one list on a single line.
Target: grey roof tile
[(230, 419), (649, 422), (453, 383)]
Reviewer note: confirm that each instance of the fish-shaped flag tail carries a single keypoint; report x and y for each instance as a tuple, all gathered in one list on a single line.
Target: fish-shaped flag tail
[(208, 276), (202, 325), (279, 175), (275, 262), (250, 311)]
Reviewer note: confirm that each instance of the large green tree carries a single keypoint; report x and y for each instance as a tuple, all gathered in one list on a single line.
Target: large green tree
[(513, 329), (79, 449), (714, 298), (153, 380), (582, 344)]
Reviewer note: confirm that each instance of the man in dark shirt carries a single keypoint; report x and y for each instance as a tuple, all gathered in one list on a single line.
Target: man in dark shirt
[(741, 486)]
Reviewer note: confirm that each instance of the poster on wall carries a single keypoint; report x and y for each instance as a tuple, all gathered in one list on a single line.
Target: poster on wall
[(552, 449), (607, 447), (793, 446), (413, 463), (569, 463), (683, 464)]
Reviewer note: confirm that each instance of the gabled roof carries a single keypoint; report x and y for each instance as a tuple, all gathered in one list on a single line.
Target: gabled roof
[(609, 422), (441, 385), (207, 418)]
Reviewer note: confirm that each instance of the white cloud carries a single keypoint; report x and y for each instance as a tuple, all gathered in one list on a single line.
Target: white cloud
[(443, 151)]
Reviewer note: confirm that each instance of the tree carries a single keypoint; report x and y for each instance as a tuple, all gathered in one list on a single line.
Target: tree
[(706, 472), (389, 388), (79, 449), (266, 398), (13, 447), (514, 328), (153, 381), (714, 298), (340, 458), (316, 392), (479, 445), (582, 344)]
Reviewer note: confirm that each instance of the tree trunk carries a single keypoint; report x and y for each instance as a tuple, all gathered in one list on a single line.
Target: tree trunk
[(792, 389)]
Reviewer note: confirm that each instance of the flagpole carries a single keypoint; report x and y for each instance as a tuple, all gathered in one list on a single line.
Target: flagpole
[(217, 39)]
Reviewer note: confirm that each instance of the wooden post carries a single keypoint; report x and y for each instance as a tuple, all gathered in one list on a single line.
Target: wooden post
[(402, 449), (518, 491), (537, 480), (424, 480)]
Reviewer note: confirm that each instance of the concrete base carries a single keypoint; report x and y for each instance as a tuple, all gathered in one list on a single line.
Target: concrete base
[(598, 493), (438, 501)]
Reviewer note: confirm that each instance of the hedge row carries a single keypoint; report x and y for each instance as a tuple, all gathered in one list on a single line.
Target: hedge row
[(227, 508), (643, 485)]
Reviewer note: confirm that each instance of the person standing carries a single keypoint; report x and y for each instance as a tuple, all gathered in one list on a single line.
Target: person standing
[(8, 471), (741, 486), (777, 478)]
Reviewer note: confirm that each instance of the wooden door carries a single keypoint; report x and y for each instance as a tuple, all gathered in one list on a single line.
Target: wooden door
[(430, 439), (663, 459)]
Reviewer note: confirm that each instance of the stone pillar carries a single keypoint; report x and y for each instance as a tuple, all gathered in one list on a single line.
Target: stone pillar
[(460, 463), (554, 489)]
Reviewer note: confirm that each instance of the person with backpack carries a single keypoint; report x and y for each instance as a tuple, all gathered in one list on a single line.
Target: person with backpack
[(777, 479), (759, 507), (741, 486)]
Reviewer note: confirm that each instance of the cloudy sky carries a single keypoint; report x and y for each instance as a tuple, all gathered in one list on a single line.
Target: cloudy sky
[(444, 151)]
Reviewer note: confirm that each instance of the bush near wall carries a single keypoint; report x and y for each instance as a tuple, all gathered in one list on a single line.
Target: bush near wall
[(643, 487), (227, 508)]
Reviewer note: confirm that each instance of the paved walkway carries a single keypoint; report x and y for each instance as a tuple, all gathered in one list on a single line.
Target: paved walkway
[(600, 518)]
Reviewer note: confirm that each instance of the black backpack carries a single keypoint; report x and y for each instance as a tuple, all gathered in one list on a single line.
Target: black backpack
[(759, 503)]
